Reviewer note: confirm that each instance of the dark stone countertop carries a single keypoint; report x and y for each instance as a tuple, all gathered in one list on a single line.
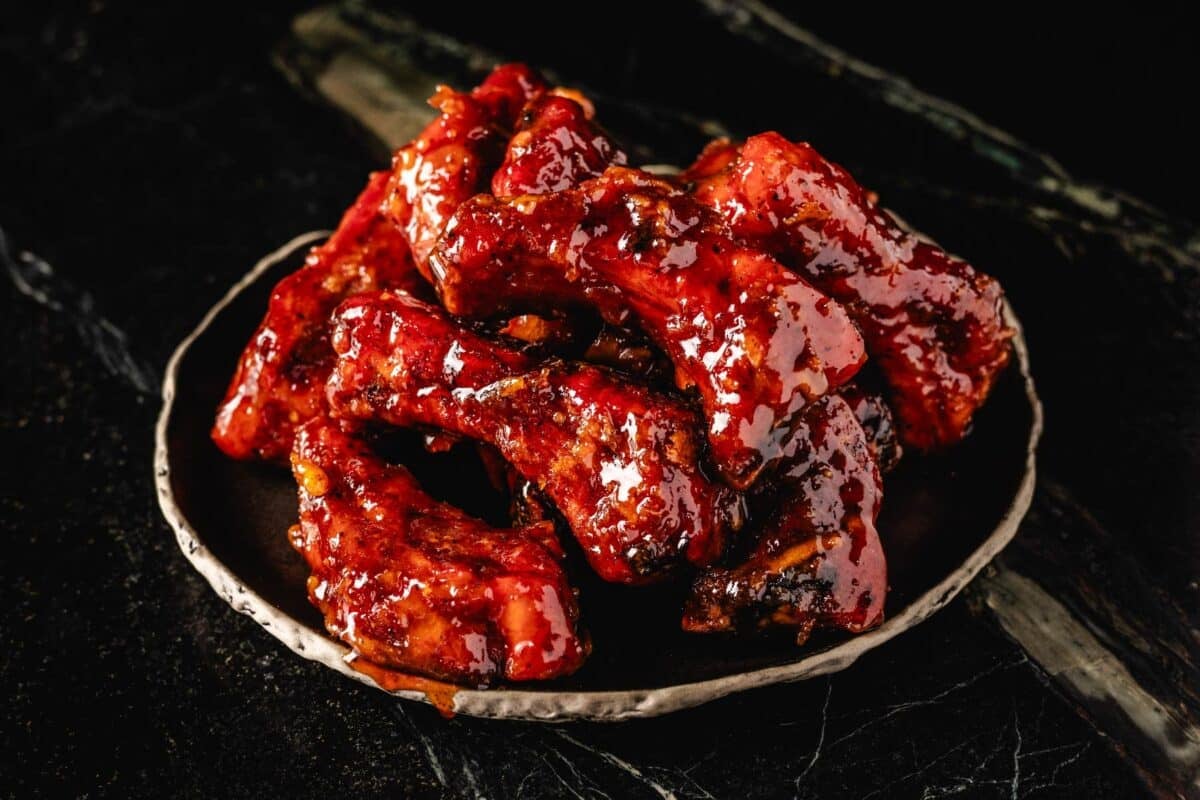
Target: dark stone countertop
[(148, 158)]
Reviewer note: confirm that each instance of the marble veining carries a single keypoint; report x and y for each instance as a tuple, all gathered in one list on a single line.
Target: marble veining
[(34, 278)]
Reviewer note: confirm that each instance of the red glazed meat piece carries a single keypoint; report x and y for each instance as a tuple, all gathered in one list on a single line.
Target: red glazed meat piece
[(619, 462), (555, 147), (417, 585), (280, 379), (754, 339), (453, 158), (818, 562), (933, 324)]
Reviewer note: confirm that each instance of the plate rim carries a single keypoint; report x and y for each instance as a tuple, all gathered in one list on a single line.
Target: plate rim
[(565, 706)]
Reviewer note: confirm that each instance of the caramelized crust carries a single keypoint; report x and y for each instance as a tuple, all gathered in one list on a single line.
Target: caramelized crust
[(418, 585), (932, 323), (558, 145), (877, 422), (818, 562), (280, 379), (754, 339), (619, 462)]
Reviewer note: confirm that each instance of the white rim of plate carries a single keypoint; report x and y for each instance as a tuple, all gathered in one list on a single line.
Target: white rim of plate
[(563, 706)]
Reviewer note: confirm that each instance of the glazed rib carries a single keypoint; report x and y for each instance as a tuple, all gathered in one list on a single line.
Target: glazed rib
[(933, 324), (753, 338), (556, 146), (619, 462), (453, 158), (280, 378), (418, 585), (818, 562)]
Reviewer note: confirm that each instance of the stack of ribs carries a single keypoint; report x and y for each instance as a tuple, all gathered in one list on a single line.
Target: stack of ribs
[(664, 369)]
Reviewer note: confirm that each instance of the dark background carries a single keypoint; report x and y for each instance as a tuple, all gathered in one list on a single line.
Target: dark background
[(1107, 93), (150, 153)]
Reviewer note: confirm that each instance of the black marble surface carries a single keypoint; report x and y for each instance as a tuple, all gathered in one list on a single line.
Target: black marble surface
[(148, 157)]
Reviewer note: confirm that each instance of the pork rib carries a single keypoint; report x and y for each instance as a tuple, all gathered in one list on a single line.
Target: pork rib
[(453, 158), (556, 145), (619, 462), (280, 378), (418, 585), (818, 562), (934, 325)]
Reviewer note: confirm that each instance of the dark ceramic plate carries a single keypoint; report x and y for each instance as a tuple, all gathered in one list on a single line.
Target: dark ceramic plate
[(943, 519)]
